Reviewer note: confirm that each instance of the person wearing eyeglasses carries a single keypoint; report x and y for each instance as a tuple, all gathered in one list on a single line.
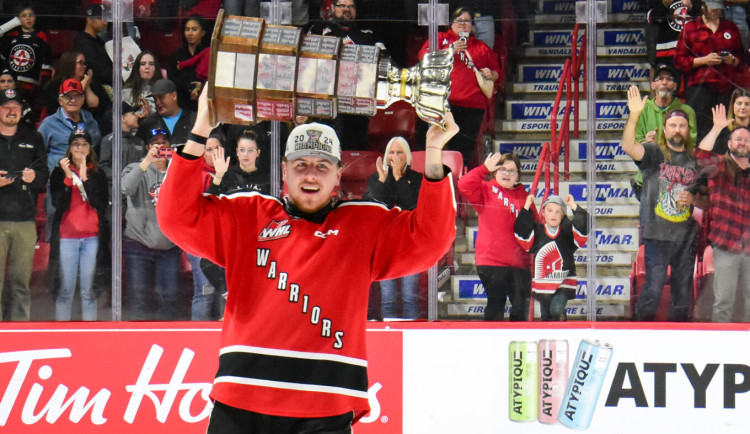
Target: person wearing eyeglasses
[(80, 195), (502, 265), (72, 64), (468, 102), (352, 129), (23, 175)]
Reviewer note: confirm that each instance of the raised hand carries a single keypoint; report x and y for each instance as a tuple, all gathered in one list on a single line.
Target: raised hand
[(492, 162), (636, 103), (720, 117)]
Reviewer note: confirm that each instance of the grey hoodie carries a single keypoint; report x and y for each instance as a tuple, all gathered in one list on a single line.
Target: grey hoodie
[(142, 189)]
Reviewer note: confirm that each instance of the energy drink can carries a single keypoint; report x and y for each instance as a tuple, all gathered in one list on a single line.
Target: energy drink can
[(522, 391), (584, 384), (553, 377)]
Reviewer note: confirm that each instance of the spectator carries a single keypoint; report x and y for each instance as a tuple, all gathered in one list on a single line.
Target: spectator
[(666, 19), (29, 55), (664, 87), (709, 51), (729, 232), (149, 256), (168, 116), (80, 195), (485, 12), (137, 89), (553, 244), (503, 266), (69, 117), (343, 24), (735, 12), (72, 64), (23, 174), (466, 99), (188, 85), (394, 183), (132, 148), (738, 116), (314, 266), (243, 177), (667, 227), (91, 45), (8, 81)]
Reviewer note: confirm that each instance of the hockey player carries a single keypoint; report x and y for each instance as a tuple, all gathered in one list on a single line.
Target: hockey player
[(299, 268)]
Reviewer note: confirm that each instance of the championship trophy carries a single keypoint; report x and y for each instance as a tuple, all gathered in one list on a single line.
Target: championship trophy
[(264, 72)]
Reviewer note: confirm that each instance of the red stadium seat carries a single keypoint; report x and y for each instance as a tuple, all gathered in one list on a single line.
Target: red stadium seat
[(452, 159), (399, 119), (358, 166)]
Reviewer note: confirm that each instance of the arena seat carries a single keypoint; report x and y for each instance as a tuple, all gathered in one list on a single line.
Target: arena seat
[(399, 119), (358, 166)]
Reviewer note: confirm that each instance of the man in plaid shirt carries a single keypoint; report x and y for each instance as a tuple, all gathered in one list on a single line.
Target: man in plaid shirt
[(729, 186)]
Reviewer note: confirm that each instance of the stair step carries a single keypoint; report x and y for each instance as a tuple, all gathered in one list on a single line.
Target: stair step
[(608, 239), (564, 12), (628, 51), (530, 149), (611, 167), (609, 289), (605, 37), (542, 110), (538, 126), (617, 259), (576, 310), (541, 88), (608, 72)]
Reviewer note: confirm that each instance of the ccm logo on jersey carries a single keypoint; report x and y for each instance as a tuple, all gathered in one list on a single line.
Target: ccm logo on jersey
[(323, 235), (275, 230)]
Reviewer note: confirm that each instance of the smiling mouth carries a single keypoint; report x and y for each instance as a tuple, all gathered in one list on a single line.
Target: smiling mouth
[(310, 189)]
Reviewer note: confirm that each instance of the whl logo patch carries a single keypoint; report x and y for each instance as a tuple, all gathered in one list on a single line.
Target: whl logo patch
[(275, 230)]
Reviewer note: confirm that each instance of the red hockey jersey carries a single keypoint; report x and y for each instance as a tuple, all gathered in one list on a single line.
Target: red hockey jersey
[(293, 340)]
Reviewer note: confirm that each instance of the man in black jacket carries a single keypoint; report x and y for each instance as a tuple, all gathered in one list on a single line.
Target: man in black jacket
[(91, 45), (23, 174), (169, 115)]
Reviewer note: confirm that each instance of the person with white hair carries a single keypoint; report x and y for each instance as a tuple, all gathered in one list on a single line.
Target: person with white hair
[(395, 184)]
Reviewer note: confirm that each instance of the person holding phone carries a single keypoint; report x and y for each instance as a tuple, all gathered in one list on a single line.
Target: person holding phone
[(709, 51), (150, 258)]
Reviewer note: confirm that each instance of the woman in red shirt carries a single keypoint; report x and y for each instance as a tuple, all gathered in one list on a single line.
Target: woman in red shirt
[(80, 194), (467, 101)]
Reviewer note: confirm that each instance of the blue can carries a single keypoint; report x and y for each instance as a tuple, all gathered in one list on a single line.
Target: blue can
[(584, 384)]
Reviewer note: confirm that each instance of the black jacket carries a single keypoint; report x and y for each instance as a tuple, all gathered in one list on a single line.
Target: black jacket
[(237, 180), (402, 193), (181, 129), (23, 150)]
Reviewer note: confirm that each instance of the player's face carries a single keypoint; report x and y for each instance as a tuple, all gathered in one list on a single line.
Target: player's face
[(741, 107), (507, 175), (553, 214), (310, 182)]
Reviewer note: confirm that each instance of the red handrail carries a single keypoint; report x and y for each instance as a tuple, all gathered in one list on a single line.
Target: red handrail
[(560, 140)]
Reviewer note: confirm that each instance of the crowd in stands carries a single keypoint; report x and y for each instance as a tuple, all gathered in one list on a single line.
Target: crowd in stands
[(57, 136)]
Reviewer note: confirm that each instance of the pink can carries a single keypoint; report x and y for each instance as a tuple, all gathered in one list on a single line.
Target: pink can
[(553, 377)]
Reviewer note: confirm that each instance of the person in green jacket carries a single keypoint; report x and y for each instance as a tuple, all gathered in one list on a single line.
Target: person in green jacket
[(664, 90)]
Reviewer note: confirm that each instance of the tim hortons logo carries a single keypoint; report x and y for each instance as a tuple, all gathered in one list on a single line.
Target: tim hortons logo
[(163, 396)]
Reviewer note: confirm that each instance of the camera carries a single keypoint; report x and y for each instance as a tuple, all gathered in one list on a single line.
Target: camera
[(165, 152), (725, 54)]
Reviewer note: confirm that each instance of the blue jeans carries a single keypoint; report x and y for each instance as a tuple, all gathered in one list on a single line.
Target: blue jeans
[(203, 292), (738, 15), (143, 268), (409, 297), (247, 8), (77, 257), (658, 255)]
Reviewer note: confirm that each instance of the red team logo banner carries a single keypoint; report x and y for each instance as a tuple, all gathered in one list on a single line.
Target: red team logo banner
[(70, 379)]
